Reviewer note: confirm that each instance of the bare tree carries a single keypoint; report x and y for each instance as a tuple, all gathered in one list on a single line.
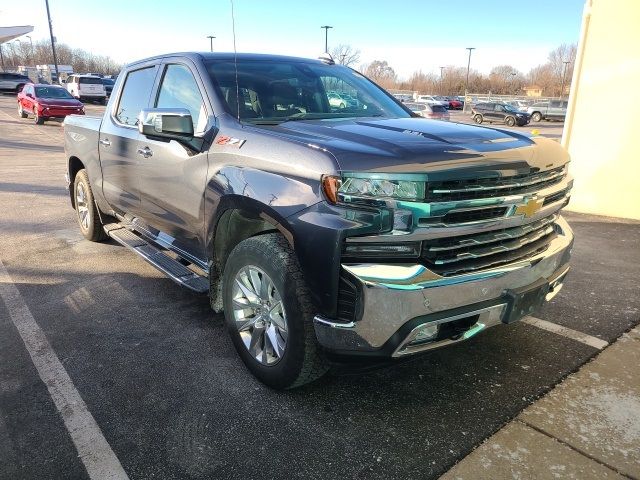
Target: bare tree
[(345, 55), (381, 72)]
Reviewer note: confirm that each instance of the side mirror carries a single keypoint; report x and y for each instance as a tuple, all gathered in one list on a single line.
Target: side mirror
[(172, 123), (29, 95)]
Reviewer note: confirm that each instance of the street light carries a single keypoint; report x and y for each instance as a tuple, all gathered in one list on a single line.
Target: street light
[(441, 85), (564, 73), (326, 37), (211, 37), (30, 41), (466, 83)]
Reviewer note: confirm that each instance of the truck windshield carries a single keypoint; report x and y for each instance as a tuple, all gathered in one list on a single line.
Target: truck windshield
[(275, 91)]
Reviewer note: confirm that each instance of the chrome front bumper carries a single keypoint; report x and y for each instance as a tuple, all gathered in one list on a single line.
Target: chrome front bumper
[(399, 298)]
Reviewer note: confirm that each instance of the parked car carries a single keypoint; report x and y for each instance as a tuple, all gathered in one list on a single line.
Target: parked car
[(431, 100), (520, 105), (108, 85), (45, 102), (339, 100), (436, 112), (495, 112), (13, 82), (87, 87), (454, 103), (550, 110), (322, 234)]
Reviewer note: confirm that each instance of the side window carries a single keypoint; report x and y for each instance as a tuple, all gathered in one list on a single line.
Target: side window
[(498, 108), (554, 104), (135, 95), (180, 90)]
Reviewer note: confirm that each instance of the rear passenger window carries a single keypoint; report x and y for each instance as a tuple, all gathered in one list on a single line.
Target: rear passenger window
[(180, 90), (135, 95)]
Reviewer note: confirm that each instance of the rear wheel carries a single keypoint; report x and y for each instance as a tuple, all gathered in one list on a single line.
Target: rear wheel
[(477, 118), (21, 112), (510, 121), (269, 313), (37, 119), (86, 209), (536, 117)]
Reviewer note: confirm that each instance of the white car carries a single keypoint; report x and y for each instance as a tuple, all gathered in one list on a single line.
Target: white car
[(87, 87), (431, 100)]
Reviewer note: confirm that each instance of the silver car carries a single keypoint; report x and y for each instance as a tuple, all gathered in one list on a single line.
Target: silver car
[(549, 110)]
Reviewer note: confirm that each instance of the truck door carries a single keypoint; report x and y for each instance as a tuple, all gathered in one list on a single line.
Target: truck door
[(172, 178), (118, 142)]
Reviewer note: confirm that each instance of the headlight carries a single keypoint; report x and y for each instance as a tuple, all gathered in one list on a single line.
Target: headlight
[(378, 187)]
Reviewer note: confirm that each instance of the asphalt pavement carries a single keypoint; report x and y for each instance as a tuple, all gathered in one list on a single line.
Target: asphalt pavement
[(159, 375)]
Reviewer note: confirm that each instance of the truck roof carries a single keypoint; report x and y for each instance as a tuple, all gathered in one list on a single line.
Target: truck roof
[(228, 56)]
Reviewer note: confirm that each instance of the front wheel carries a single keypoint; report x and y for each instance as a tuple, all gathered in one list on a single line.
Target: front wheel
[(536, 117), (477, 118), (21, 112), (510, 121), (37, 119), (269, 313), (86, 209)]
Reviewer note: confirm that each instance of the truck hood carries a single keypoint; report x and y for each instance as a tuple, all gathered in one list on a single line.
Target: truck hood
[(405, 145)]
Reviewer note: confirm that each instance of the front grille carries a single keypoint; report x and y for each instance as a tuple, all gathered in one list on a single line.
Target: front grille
[(465, 216), (473, 188), (455, 255)]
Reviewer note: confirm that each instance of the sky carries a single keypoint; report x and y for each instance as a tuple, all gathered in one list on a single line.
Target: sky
[(409, 34)]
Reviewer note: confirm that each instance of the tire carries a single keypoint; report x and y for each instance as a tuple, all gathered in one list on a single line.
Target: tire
[(37, 119), (21, 112), (536, 117), (510, 121), (297, 359), (90, 224), (478, 118)]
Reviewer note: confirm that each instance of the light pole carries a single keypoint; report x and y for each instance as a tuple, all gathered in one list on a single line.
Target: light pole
[(441, 82), (53, 43), (564, 73), (211, 37), (513, 77), (30, 41), (466, 83), (326, 37)]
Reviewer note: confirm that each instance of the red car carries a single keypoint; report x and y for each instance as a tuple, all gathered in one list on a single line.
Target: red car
[(455, 104), (44, 102)]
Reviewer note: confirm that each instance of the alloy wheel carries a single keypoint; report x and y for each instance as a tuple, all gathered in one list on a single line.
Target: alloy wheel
[(82, 207), (259, 315)]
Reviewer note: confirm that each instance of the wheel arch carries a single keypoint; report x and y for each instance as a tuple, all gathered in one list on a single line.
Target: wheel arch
[(238, 218)]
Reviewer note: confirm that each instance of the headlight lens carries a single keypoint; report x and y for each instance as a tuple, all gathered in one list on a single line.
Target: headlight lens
[(370, 187)]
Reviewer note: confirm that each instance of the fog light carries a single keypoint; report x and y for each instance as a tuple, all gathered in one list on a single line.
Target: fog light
[(424, 333)]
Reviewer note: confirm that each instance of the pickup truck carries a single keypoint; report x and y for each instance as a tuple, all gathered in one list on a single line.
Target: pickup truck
[(324, 233)]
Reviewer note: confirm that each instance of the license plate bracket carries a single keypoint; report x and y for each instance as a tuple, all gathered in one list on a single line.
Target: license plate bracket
[(525, 300)]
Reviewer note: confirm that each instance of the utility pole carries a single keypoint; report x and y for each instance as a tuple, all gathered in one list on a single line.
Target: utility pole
[(326, 37), (211, 37), (441, 82), (466, 83), (53, 43), (564, 73)]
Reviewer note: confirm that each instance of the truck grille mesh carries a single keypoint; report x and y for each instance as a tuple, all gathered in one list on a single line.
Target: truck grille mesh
[(456, 255), (473, 188)]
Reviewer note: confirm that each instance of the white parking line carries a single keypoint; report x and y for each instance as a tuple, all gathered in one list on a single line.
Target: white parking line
[(94, 451), (566, 332)]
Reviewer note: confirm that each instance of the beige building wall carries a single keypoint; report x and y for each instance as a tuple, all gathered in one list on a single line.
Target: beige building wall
[(602, 129)]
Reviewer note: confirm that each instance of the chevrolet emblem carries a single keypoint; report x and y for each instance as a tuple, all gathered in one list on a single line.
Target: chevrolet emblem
[(529, 208)]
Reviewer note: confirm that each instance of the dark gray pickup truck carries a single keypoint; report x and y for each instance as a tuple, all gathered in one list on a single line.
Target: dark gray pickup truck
[(324, 232)]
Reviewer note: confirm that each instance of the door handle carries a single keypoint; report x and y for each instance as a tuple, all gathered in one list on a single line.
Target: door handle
[(105, 142), (146, 152)]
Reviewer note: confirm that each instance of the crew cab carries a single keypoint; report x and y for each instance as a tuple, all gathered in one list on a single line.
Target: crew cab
[(324, 233)]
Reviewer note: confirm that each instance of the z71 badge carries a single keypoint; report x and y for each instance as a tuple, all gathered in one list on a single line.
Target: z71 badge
[(235, 142)]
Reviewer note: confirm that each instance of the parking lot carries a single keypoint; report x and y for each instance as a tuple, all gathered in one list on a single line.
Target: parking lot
[(157, 372)]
